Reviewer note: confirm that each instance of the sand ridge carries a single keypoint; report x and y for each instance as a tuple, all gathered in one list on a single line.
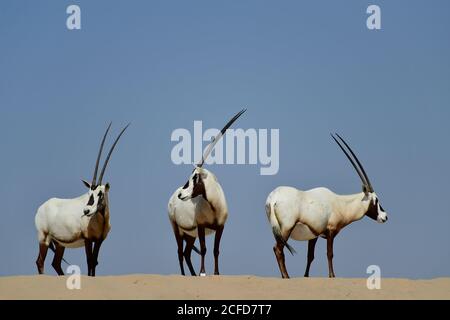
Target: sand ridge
[(159, 287)]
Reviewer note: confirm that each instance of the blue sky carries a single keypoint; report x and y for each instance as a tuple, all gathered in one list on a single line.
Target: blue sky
[(307, 68)]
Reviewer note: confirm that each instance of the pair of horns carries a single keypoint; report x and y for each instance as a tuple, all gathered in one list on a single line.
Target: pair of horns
[(218, 137), (355, 162), (94, 179)]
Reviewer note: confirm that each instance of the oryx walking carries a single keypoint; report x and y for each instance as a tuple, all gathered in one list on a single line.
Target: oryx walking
[(199, 209), (306, 215), (74, 223)]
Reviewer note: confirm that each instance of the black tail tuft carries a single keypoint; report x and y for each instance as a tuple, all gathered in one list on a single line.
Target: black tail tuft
[(196, 250), (277, 233)]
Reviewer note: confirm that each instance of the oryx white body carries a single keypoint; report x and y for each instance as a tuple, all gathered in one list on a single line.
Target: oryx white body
[(64, 221), (315, 212), (307, 215), (196, 210), (187, 215)]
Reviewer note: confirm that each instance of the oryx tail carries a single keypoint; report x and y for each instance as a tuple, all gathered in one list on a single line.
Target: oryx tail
[(276, 228)]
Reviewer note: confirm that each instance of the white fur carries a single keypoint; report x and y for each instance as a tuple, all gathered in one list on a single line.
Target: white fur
[(188, 213), (312, 213), (65, 221)]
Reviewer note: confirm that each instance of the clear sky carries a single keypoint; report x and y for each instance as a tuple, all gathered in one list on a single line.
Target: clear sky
[(307, 68)]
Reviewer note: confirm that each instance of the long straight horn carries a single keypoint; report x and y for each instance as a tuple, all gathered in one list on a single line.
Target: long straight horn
[(94, 179), (218, 137), (358, 162), (361, 175), (110, 152)]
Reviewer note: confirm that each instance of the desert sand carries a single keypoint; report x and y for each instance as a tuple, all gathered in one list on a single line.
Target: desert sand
[(151, 287)]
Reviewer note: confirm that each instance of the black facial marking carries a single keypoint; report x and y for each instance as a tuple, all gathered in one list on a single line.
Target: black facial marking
[(101, 203), (199, 187), (372, 211), (91, 200), (194, 179)]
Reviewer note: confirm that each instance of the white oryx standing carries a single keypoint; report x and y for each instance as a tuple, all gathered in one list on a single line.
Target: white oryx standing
[(74, 223), (198, 209), (306, 215)]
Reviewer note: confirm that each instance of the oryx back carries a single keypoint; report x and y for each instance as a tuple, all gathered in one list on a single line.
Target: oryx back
[(303, 215)]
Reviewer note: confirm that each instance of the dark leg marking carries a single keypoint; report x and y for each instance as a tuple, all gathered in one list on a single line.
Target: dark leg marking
[(97, 246), (89, 255), (279, 254), (187, 252), (278, 249), (330, 241), (43, 248), (311, 249), (201, 237), (179, 240), (59, 253), (219, 232)]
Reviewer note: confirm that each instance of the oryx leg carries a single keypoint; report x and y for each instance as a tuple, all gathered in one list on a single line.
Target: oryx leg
[(219, 232), (59, 253), (43, 248), (311, 249), (89, 255), (179, 240), (187, 252), (95, 253), (278, 249), (201, 237), (330, 241)]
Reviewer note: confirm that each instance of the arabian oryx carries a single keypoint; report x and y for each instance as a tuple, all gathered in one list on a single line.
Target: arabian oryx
[(73, 223), (306, 215), (198, 209)]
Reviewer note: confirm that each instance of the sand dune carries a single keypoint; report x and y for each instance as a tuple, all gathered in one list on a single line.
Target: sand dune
[(223, 287)]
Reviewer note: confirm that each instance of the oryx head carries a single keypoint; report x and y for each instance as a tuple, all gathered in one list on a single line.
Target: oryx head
[(375, 210), (98, 199), (195, 186), (98, 192)]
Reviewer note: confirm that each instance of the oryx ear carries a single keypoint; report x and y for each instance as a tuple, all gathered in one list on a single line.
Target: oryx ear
[(87, 184), (107, 187)]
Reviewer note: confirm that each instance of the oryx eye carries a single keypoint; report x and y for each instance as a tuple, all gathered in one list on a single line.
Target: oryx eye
[(100, 194), (186, 185)]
